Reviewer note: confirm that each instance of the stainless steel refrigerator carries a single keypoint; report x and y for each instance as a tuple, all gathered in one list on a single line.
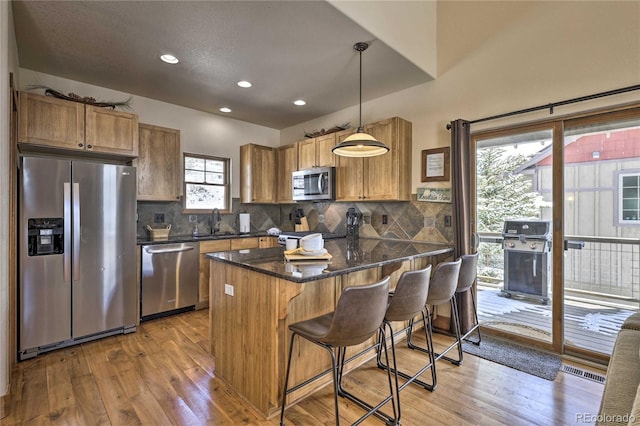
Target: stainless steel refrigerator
[(77, 272)]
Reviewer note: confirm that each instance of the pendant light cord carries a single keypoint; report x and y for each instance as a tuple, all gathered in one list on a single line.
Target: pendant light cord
[(360, 103), (360, 47)]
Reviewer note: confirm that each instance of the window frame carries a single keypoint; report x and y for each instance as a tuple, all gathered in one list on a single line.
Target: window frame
[(620, 175), (226, 185)]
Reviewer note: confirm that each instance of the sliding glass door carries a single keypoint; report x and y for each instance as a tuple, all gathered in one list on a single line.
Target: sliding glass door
[(602, 228), (578, 179), (515, 285)]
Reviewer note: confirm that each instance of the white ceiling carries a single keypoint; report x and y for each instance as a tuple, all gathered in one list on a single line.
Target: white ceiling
[(287, 49)]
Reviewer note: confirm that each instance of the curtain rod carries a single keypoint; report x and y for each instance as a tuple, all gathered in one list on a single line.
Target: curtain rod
[(552, 105)]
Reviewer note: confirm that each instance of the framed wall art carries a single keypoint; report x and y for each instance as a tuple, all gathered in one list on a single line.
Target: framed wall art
[(435, 165)]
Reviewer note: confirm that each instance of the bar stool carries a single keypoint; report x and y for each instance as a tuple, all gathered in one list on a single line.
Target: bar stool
[(441, 290), (468, 274), (358, 315), (405, 303)]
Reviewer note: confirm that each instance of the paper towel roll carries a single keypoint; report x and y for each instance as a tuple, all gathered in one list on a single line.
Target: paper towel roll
[(245, 222)]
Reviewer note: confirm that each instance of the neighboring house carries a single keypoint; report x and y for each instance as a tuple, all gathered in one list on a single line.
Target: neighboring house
[(602, 208)]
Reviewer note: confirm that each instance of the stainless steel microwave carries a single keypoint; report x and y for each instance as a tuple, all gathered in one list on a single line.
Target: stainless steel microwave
[(314, 184)]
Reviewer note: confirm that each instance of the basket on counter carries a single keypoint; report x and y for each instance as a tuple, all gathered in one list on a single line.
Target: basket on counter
[(159, 233)]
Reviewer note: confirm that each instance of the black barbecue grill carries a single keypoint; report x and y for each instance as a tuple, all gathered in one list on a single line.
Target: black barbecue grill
[(527, 258)]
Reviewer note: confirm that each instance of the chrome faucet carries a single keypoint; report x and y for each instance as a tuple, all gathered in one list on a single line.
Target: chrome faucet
[(215, 221)]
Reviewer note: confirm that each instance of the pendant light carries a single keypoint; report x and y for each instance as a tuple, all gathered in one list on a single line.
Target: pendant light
[(360, 144)]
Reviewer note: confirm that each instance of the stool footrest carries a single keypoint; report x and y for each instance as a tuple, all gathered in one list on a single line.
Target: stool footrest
[(371, 410)]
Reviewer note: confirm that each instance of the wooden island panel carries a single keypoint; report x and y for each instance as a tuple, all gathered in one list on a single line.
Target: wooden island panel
[(249, 334), (243, 346)]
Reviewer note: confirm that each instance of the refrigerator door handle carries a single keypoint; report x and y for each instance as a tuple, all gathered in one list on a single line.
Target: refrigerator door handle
[(67, 232), (76, 231)]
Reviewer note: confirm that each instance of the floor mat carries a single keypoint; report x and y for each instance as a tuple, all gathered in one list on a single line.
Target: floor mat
[(528, 360)]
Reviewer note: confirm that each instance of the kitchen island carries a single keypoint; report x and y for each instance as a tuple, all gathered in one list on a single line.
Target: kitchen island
[(255, 294)]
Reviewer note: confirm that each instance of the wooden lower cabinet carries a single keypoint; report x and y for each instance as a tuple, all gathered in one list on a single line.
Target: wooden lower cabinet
[(245, 243), (203, 283), (267, 242), (224, 245)]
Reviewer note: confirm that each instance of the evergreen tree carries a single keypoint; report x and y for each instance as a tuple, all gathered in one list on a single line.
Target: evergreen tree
[(501, 195)]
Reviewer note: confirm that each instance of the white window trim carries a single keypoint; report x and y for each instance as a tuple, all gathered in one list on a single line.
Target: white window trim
[(618, 193)]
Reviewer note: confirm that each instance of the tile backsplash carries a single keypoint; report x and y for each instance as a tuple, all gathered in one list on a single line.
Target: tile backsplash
[(413, 220)]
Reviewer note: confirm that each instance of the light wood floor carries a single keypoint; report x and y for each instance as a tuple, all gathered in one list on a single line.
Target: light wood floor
[(163, 374)]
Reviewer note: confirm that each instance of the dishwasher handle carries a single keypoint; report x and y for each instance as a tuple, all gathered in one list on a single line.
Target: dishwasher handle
[(168, 250)]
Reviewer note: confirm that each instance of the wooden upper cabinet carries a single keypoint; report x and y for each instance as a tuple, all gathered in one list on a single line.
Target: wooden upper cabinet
[(306, 154), (316, 152), (111, 132), (349, 174), (385, 177), (324, 156), (47, 121), (158, 163), (287, 164), (257, 174), (57, 123)]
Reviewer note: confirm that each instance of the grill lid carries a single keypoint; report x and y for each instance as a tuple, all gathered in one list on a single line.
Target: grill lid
[(540, 229)]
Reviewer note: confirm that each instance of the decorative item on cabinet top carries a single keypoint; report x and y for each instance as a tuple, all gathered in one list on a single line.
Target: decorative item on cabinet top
[(83, 100), (323, 132)]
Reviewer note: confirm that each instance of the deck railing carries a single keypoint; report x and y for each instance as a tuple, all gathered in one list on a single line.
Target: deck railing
[(604, 267)]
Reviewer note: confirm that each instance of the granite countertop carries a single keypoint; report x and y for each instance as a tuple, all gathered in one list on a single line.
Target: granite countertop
[(348, 256), (204, 237)]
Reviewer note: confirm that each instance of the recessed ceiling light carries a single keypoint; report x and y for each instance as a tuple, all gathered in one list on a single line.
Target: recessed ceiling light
[(299, 102), (225, 109), (244, 84), (170, 59)]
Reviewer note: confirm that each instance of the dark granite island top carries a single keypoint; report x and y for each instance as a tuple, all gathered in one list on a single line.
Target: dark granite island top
[(349, 255)]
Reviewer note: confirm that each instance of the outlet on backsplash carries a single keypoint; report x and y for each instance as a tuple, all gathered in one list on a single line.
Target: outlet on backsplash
[(158, 218)]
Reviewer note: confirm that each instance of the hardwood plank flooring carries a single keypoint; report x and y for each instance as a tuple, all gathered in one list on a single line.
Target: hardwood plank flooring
[(163, 375)]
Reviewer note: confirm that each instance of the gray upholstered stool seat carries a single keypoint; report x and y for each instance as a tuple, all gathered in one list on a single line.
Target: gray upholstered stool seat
[(357, 317), (468, 274), (442, 289)]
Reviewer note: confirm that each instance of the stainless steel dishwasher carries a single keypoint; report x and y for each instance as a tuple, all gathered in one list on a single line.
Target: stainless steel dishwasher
[(169, 281)]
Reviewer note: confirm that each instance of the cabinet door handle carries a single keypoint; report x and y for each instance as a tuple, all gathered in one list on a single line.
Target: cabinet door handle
[(89, 146), (80, 145)]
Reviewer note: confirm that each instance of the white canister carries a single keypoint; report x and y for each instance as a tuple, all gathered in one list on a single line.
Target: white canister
[(291, 243), (245, 223)]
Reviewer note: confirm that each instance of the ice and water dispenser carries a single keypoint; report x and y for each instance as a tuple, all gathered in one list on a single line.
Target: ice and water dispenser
[(45, 236)]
